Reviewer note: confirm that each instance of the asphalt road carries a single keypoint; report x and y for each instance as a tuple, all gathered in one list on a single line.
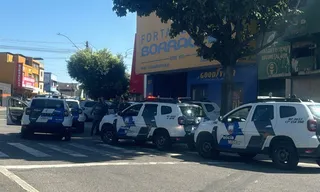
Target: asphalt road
[(85, 164)]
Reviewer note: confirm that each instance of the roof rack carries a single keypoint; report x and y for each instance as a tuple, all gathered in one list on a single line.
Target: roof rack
[(188, 99), (292, 98)]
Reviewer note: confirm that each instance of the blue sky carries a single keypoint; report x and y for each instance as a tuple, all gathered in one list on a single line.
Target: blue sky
[(32, 25)]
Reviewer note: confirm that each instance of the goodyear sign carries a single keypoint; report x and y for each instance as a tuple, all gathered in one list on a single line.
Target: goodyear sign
[(156, 51)]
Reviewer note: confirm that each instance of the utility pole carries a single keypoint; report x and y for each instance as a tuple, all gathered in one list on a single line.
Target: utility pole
[(87, 45)]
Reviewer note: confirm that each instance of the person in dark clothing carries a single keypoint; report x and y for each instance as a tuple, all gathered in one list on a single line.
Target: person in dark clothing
[(99, 111)]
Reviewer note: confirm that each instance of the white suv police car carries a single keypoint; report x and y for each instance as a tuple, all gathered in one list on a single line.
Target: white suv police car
[(284, 129), (47, 115), (163, 121)]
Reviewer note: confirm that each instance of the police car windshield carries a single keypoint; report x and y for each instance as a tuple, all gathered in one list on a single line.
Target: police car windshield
[(192, 111), (315, 110), (47, 103), (73, 104)]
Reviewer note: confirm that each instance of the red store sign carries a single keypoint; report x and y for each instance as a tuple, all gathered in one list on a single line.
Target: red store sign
[(28, 82), (19, 74)]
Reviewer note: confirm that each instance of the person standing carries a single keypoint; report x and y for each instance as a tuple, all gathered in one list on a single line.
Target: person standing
[(99, 111)]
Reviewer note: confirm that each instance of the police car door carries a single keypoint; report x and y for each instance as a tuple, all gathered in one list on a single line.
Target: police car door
[(126, 121), (260, 126), (147, 120), (230, 133), (15, 109)]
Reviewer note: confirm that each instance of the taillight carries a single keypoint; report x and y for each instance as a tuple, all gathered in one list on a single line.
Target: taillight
[(312, 125), (28, 111), (181, 121), (66, 113)]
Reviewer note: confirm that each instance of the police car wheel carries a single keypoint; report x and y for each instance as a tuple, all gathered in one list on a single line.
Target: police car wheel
[(162, 141), (285, 156), (206, 148), (108, 135)]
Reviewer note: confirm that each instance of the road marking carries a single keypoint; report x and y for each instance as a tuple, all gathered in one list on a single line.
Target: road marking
[(95, 150), (18, 180), (122, 149), (2, 155), (105, 164), (62, 150), (29, 150)]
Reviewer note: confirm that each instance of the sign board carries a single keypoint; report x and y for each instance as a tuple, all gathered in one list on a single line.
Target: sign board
[(156, 51), (28, 82), (19, 75)]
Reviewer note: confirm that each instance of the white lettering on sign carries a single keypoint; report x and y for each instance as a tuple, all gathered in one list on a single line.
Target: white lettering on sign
[(295, 120)]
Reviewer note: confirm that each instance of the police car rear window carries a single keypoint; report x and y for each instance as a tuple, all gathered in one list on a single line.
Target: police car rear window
[(315, 110), (192, 111), (44, 103)]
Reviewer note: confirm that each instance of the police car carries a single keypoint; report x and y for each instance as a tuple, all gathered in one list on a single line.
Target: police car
[(285, 129), (78, 115), (47, 115), (163, 121)]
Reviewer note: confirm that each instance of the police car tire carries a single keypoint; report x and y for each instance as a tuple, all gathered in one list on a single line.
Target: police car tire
[(207, 154), (114, 138), (292, 152), (162, 141)]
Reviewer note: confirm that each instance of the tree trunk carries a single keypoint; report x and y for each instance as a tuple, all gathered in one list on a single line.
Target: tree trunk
[(227, 89)]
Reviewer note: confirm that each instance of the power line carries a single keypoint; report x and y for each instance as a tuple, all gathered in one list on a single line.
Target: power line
[(38, 49), (40, 42)]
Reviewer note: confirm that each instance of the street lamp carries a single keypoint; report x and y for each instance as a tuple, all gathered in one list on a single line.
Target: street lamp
[(69, 40)]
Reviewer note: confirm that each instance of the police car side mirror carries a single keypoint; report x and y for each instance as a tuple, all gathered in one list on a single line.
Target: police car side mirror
[(119, 113), (220, 118)]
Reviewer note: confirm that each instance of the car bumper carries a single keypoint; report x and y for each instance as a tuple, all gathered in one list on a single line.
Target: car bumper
[(46, 128)]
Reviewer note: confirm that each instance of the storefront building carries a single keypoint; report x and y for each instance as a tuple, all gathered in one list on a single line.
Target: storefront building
[(292, 64), (21, 72), (173, 69)]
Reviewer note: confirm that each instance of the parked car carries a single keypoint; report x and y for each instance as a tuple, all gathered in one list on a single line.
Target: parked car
[(87, 107), (77, 114), (47, 115)]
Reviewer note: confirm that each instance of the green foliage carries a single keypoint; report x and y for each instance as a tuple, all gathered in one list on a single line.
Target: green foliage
[(101, 73)]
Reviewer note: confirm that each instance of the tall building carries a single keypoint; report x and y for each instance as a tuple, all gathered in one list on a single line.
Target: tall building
[(21, 72)]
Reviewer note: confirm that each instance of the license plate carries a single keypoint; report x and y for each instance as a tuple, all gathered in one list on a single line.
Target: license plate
[(44, 119)]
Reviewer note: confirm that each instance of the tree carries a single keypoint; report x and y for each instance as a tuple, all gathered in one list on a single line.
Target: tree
[(221, 29), (101, 73)]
